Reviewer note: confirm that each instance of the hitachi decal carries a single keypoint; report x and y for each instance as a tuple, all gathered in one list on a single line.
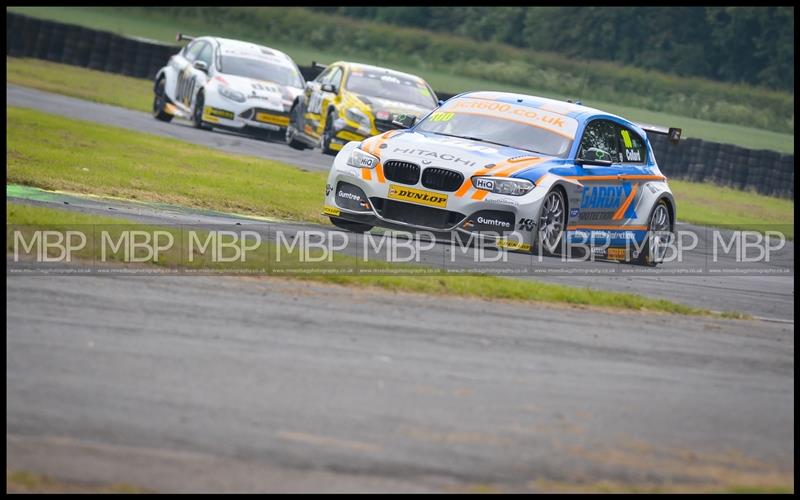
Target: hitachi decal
[(433, 154)]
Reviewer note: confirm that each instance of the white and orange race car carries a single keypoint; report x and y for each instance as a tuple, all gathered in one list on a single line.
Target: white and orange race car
[(521, 172)]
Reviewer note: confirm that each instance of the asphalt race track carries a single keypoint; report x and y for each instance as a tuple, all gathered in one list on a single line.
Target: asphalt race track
[(240, 384), (223, 383), (80, 109)]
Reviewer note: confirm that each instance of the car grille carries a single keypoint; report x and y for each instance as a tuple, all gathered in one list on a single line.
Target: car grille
[(401, 171), (417, 215), (442, 179)]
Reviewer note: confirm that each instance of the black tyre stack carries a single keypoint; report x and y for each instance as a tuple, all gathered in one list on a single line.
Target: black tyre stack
[(43, 39), (755, 171), (128, 56), (29, 36), (15, 35), (141, 64), (55, 44), (786, 170), (691, 160), (159, 57), (99, 55), (114, 60)]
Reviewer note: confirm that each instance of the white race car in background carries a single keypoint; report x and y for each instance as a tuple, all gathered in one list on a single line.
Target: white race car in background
[(217, 82)]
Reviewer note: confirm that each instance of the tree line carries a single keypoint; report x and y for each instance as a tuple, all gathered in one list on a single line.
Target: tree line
[(752, 45)]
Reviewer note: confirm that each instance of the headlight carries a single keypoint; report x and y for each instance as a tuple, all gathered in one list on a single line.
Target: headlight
[(361, 159), (503, 185), (233, 95), (358, 116)]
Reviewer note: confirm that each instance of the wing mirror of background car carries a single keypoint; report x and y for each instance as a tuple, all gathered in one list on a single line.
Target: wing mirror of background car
[(200, 65), (404, 121), (594, 156), (674, 135), (327, 87)]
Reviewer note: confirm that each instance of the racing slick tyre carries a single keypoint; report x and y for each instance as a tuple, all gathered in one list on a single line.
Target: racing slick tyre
[(291, 131), (551, 223), (197, 112), (355, 227), (659, 226), (160, 101), (327, 134)]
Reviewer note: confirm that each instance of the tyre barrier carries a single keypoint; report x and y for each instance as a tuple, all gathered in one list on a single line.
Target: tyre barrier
[(763, 171)]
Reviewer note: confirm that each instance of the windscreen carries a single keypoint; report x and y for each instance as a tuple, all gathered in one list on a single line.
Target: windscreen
[(391, 87), (504, 124), (260, 70)]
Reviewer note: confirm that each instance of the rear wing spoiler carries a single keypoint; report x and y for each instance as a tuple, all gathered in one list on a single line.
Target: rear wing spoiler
[(673, 133), (181, 37), (316, 65)]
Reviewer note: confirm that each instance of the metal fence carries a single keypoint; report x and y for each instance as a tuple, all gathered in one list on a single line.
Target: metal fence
[(766, 172)]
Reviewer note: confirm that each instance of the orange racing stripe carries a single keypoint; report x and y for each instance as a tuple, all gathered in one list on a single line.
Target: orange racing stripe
[(616, 177), (379, 173), (611, 228), (621, 210)]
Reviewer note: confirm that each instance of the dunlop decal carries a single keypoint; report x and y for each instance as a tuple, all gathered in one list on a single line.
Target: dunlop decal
[(417, 196)]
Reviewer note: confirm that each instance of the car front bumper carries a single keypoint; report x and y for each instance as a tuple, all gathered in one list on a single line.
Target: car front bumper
[(366, 196), (227, 113)]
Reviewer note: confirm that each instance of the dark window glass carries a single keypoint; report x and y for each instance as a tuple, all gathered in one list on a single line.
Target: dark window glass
[(632, 146), (602, 137)]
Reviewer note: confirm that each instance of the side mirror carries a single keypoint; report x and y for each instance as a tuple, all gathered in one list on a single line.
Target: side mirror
[(327, 87), (441, 102), (674, 135), (201, 65), (404, 121), (599, 163), (595, 156)]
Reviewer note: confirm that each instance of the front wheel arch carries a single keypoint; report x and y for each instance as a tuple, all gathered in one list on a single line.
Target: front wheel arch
[(644, 258), (197, 119), (536, 244)]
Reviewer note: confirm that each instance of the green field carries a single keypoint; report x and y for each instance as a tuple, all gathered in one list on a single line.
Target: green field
[(21, 481), (711, 205), (58, 153), (433, 282), (445, 80), (83, 83)]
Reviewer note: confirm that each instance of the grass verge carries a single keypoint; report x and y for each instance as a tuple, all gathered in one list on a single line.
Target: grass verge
[(56, 153), (432, 282), (19, 481), (83, 83), (716, 206)]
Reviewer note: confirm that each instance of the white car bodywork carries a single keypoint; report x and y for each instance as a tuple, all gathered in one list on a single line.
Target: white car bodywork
[(229, 100), (421, 180)]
